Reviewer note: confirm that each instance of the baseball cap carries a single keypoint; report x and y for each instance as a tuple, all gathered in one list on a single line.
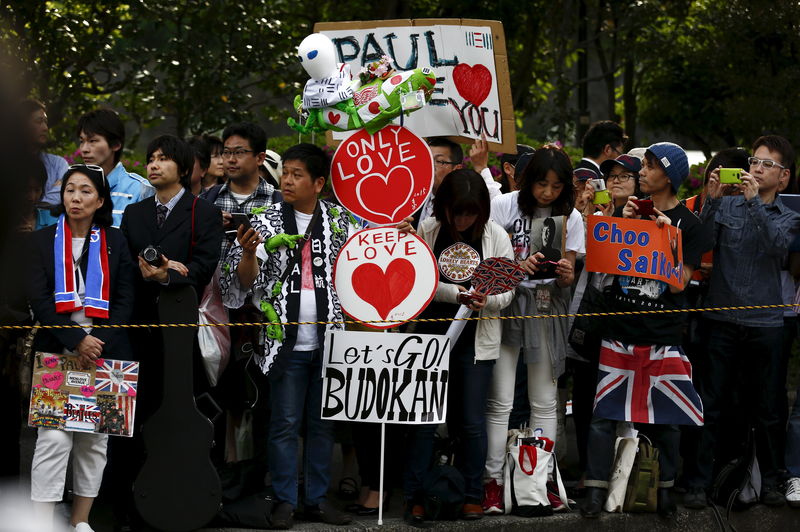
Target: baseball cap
[(673, 160), (583, 174), (522, 163), (629, 162)]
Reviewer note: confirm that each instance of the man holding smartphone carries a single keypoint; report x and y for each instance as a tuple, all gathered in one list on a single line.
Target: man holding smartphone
[(751, 234), (245, 192)]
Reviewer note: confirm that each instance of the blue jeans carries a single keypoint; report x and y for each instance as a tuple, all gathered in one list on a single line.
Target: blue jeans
[(298, 391), (793, 439), (467, 391), (743, 369)]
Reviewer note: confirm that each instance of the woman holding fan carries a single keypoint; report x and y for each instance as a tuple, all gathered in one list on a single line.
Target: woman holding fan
[(461, 233)]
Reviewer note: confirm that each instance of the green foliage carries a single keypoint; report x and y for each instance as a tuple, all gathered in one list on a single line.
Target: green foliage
[(717, 72), (693, 185), (731, 64)]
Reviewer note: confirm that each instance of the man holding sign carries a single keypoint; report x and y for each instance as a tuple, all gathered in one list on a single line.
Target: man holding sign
[(644, 376)]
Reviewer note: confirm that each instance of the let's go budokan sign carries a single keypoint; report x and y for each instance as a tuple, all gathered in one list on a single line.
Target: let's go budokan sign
[(385, 377)]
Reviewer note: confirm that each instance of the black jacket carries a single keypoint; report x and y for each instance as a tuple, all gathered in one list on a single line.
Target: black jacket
[(41, 293), (175, 240)]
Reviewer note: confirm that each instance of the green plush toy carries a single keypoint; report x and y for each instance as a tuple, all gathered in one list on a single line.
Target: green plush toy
[(274, 330), (382, 96), (281, 240)]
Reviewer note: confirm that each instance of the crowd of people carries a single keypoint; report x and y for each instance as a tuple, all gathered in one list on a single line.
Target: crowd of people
[(85, 266)]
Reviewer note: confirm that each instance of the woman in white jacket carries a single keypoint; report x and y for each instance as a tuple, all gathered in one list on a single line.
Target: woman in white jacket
[(460, 235)]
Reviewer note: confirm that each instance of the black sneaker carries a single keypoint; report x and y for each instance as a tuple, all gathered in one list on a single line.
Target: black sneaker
[(325, 512), (593, 505), (772, 497), (281, 518), (666, 506), (695, 499)]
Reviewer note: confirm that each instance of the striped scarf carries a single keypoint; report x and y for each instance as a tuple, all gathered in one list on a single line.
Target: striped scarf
[(97, 275)]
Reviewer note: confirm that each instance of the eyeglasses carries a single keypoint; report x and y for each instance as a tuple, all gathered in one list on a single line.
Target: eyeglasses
[(768, 163), (441, 162), (227, 154), (622, 178), (92, 167)]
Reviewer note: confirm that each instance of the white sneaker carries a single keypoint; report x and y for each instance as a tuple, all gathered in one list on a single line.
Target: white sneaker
[(83, 527), (793, 492)]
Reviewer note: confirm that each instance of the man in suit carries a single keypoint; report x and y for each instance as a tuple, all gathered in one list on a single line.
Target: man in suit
[(187, 231)]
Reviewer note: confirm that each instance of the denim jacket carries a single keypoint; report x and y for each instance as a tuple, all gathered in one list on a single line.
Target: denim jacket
[(751, 242), (126, 188)]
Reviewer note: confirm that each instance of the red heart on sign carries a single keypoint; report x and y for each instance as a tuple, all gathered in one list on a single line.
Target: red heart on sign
[(333, 117), (386, 194), (384, 290), (53, 380), (472, 82)]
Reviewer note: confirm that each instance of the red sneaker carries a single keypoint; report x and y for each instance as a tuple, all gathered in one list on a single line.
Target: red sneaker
[(555, 501), (493, 498)]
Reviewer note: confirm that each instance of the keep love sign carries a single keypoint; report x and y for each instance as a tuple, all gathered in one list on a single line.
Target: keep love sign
[(386, 275), (385, 177), (637, 248)]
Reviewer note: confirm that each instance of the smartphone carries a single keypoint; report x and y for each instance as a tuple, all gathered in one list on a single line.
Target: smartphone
[(645, 206), (238, 219), (730, 176), (601, 194)]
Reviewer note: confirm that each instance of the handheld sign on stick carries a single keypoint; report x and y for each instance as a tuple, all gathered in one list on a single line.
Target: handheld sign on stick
[(494, 276)]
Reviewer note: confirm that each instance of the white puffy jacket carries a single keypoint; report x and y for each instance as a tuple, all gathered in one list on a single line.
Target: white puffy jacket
[(495, 243)]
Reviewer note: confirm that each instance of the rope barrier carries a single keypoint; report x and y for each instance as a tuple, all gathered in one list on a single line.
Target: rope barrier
[(416, 320)]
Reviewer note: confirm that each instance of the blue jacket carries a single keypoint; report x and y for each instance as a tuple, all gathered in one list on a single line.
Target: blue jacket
[(126, 188)]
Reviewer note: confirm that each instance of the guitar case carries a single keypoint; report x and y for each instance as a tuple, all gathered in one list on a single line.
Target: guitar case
[(178, 487)]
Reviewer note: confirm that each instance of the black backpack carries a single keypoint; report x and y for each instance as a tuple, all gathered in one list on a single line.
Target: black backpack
[(444, 493)]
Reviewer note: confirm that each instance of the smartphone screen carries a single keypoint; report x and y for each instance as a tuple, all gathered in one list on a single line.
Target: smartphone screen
[(240, 219)]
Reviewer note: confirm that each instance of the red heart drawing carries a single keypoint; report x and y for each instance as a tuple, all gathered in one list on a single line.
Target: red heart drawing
[(130, 392), (472, 82), (374, 108), (333, 117), (87, 391), (396, 79), (53, 380), (386, 194), (99, 361), (51, 361), (384, 290)]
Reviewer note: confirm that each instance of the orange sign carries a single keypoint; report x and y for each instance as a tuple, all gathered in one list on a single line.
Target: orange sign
[(638, 248)]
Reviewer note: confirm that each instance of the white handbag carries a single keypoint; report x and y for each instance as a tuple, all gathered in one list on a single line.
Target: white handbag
[(623, 463), (530, 464), (214, 341)]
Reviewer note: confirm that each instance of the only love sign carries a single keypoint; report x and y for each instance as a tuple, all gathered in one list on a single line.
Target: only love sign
[(385, 378), (385, 177), (384, 274)]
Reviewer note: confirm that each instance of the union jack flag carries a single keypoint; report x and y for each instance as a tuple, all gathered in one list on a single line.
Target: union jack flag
[(116, 376), (497, 275), (646, 384)]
